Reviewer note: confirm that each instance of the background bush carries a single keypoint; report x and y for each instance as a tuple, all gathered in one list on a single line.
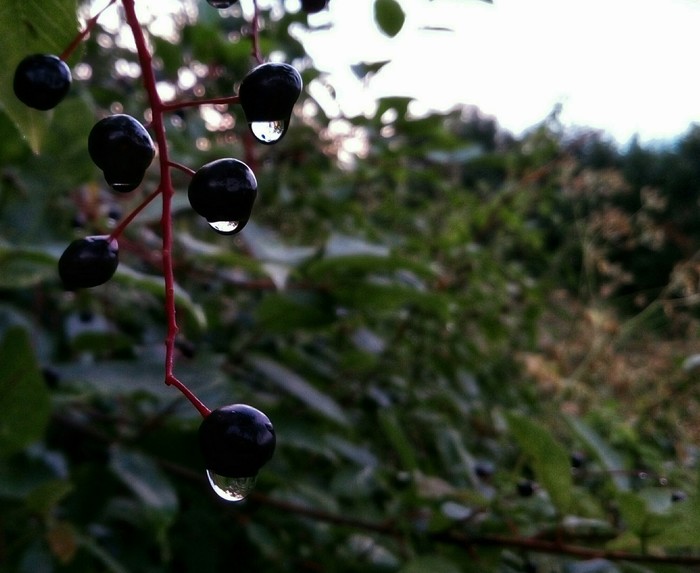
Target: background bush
[(477, 350)]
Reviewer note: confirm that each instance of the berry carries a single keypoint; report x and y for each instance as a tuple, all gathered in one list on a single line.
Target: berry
[(484, 470), (123, 149), (313, 6), (578, 460), (236, 440), (678, 495), (268, 94), (526, 488), (88, 262), (41, 81), (223, 192), (221, 4)]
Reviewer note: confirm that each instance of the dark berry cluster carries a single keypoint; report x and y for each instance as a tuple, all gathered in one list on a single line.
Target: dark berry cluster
[(235, 440)]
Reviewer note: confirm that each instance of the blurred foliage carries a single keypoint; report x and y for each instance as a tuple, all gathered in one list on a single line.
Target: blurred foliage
[(477, 350)]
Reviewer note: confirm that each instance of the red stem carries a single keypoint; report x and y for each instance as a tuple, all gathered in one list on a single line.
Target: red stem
[(255, 33), (89, 25), (198, 102), (166, 189), (131, 216)]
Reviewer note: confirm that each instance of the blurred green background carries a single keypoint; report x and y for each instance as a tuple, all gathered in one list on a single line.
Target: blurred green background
[(478, 350)]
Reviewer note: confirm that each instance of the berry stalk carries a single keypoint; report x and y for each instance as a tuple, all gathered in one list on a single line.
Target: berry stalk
[(167, 191), (89, 25)]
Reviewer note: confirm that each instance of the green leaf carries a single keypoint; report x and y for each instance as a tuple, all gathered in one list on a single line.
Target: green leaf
[(285, 312), (432, 563), (389, 16), (300, 388), (143, 477), (154, 285), (682, 530), (550, 460), (24, 398), (610, 459), (28, 27), (394, 432)]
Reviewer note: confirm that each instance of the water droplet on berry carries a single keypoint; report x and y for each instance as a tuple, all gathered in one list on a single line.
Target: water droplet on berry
[(268, 131), (123, 187), (225, 227), (229, 488)]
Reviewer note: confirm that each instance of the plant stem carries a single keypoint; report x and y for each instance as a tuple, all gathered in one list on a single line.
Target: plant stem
[(199, 102), (255, 33), (167, 191), (124, 223), (89, 25)]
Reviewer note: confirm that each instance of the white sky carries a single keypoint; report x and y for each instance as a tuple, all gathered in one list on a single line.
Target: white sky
[(624, 66)]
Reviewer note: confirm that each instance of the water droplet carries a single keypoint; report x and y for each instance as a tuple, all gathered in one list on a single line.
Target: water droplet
[(124, 187), (231, 489), (225, 227), (268, 131)]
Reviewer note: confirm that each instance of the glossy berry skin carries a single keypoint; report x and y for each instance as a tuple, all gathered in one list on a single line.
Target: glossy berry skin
[(123, 149), (313, 6), (236, 440), (269, 92), (88, 262), (224, 190), (41, 81), (221, 4)]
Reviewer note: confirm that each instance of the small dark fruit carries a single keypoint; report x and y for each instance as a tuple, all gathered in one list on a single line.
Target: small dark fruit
[(41, 81), (223, 192), (268, 94), (236, 441), (484, 470), (578, 460), (221, 4), (123, 149), (678, 495), (88, 262), (313, 6), (526, 488)]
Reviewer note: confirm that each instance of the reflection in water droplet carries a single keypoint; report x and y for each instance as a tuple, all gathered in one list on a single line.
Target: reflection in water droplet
[(268, 131), (231, 489), (224, 227), (123, 187)]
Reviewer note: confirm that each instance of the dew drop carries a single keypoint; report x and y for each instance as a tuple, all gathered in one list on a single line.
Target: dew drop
[(268, 131), (123, 187), (231, 489), (225, 227)]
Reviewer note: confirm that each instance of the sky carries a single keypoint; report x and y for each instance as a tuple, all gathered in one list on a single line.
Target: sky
[(622, 66)]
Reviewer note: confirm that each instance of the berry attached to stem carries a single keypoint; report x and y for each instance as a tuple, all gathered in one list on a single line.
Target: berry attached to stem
[(41, 81), (123, 149), (268, 94), (236, 441), (223, 192), (88, 262)]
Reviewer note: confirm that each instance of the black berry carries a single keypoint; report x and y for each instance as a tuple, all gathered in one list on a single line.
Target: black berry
[(221, 4), (88, 262), (268, 94), (236, 440), (123, 149), (223, 192), (484, 470), (578, 460), (526, 488), (41, 81), (678, 495), (313, 6)]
